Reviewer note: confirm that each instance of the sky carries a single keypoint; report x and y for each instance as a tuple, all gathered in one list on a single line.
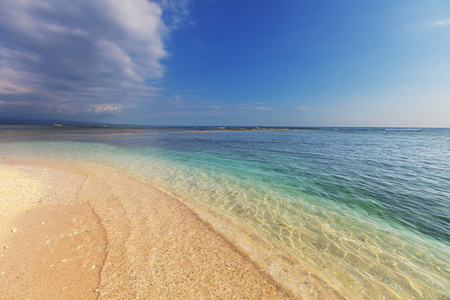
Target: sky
[(227, 62)]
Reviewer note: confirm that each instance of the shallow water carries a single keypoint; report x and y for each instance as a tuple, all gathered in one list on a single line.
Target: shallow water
[(368, 209)]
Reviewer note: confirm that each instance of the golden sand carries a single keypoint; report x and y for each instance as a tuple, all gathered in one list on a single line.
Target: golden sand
[(98, 234), (72, 230)]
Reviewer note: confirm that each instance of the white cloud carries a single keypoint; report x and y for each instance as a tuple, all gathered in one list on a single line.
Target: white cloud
[(253, 106), (105, 108), (442, 23), (302, 108), (175, 12), (102, 53)]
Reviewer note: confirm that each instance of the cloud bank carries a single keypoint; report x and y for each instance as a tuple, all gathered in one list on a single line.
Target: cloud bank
[(84, 56)]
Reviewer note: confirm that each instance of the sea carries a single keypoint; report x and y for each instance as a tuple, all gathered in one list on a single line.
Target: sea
[(366, 207)]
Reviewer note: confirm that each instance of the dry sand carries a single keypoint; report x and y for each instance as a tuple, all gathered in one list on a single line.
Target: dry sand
[(71, 230)]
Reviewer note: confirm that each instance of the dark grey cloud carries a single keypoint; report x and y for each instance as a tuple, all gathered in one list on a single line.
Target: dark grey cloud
[(82, 56)]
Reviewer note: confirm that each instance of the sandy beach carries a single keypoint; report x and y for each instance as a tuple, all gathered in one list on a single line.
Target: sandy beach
[(73, 230), (77, 233)]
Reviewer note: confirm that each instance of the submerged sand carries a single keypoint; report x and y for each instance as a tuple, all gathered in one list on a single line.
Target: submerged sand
[(71, 230)]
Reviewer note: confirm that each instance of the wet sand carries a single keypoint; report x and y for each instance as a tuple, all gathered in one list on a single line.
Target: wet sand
[(71, 230)]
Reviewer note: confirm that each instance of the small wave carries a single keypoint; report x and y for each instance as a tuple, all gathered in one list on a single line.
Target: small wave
[(404, 129)]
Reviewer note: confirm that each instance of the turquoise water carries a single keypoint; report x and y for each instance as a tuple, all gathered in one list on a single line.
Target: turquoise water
[(367, 207)]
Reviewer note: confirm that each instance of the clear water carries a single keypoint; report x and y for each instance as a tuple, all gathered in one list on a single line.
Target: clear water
[(369, 208)]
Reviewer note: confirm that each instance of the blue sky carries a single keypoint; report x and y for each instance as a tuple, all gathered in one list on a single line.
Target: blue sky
[(227, 62)]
